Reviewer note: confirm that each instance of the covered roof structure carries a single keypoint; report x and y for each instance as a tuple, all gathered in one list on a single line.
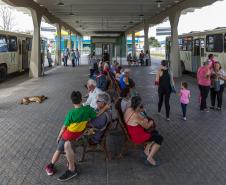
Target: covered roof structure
[(105, 17)]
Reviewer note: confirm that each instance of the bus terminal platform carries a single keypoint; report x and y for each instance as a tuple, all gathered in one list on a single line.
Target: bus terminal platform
[(193, 151)]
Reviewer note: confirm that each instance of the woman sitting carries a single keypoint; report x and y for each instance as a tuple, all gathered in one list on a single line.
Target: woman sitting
[(141, 130)]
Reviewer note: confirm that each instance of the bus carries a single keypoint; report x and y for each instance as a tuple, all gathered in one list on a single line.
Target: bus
[(15, 52), (195, 47)]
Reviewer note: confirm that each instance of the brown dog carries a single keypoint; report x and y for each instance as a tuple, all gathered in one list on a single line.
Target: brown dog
[(37, 99)]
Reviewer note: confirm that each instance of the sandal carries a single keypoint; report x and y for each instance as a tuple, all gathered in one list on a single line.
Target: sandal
[(157, 163)]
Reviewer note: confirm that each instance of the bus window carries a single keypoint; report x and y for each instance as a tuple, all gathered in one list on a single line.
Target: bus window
[(3, 44), (214, 43), (225, 42), (197, 47), (187, 44), (12, 43), (180, 43), (202, 43)]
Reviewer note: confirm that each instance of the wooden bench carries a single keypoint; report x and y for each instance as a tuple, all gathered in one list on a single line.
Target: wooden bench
[(88, 146), (127, 140)]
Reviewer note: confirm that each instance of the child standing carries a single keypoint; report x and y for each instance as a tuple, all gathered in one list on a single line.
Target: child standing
[(184, 98)]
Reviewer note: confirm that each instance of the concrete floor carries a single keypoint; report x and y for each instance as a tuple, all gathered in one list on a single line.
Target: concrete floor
[(193, 152)]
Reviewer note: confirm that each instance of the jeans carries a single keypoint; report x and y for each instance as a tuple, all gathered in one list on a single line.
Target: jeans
[(65, 60), (204, 91), (77, 61), (165, 95), (218, 94), (73, 62), (184, 109)]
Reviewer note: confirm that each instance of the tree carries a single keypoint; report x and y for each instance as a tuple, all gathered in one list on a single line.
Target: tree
[(153, 42), (7, 22)]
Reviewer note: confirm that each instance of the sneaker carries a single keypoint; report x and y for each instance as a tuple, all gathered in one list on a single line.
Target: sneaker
[(49, 169), (184, 118), (206, 110), (218, 108), (212, 107), (168, 119), (68, 175)]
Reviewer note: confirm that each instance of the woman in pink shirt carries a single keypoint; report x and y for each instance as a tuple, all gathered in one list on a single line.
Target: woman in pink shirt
[(203, 77), (184, 98)]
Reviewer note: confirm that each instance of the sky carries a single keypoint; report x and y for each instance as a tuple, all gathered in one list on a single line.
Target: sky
[(208, 17)]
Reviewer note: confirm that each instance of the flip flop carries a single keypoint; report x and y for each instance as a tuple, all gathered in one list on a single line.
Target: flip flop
[(157, 163)]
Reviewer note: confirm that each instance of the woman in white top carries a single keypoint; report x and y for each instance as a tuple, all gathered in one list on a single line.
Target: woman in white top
[(218, 76)]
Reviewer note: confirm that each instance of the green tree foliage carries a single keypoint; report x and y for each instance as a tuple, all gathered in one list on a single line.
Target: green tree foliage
[(153, 42)]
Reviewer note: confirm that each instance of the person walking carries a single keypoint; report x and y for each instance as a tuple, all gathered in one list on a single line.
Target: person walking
[(147, 58), (66, 55), (184, 98), (77, 55), (49, 58), (218, 76), (203, 78), (163, 80), (73, 57), (141, 58)]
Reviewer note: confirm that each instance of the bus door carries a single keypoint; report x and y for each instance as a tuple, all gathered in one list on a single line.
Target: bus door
[(196, 57), (202, 51), (20, 55), (24, 53)]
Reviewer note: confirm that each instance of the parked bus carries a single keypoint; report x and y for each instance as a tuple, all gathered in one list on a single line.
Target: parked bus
[(196, 46), (15, 52)]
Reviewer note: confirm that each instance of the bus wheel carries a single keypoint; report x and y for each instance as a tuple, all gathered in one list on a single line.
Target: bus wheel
[(3, 73)]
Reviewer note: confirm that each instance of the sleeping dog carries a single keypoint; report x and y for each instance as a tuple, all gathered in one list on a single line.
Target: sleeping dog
[(37, 99)]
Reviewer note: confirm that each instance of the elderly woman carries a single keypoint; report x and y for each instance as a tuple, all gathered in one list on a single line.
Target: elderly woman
[(218, 77), (103, 117), (138, 129), (203, 78)]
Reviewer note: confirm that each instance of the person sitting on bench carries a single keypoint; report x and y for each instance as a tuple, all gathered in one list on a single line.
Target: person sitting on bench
[(140, 130), (74, 125), (101, 122)]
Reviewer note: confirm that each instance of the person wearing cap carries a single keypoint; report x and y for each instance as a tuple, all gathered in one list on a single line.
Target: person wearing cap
[(103, 118), (163, 80), (204, 82), (93, 93)]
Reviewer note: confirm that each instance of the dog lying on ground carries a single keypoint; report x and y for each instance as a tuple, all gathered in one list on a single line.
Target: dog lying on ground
[(37, 99)]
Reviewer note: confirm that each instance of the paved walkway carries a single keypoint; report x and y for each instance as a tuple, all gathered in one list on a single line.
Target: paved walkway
[(193, 152)]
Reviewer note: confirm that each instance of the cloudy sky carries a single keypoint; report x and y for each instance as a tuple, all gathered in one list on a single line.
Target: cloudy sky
[(208, 17)]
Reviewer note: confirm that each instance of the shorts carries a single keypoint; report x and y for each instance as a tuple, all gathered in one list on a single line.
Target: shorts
[(74, 144), (156, 137)]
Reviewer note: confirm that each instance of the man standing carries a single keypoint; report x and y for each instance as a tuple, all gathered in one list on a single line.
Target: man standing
[(73, 57), (77, 55), (66, 55)]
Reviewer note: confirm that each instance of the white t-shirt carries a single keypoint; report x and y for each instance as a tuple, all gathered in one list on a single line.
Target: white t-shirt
[(93, 98)]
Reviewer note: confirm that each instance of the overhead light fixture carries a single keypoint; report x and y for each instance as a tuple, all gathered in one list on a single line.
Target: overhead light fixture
[(158, 3), (141, 17), (71, 13), (60, 3)]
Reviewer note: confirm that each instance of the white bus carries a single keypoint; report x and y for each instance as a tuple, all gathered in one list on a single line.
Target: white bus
[(196, 46), (15, 52)]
